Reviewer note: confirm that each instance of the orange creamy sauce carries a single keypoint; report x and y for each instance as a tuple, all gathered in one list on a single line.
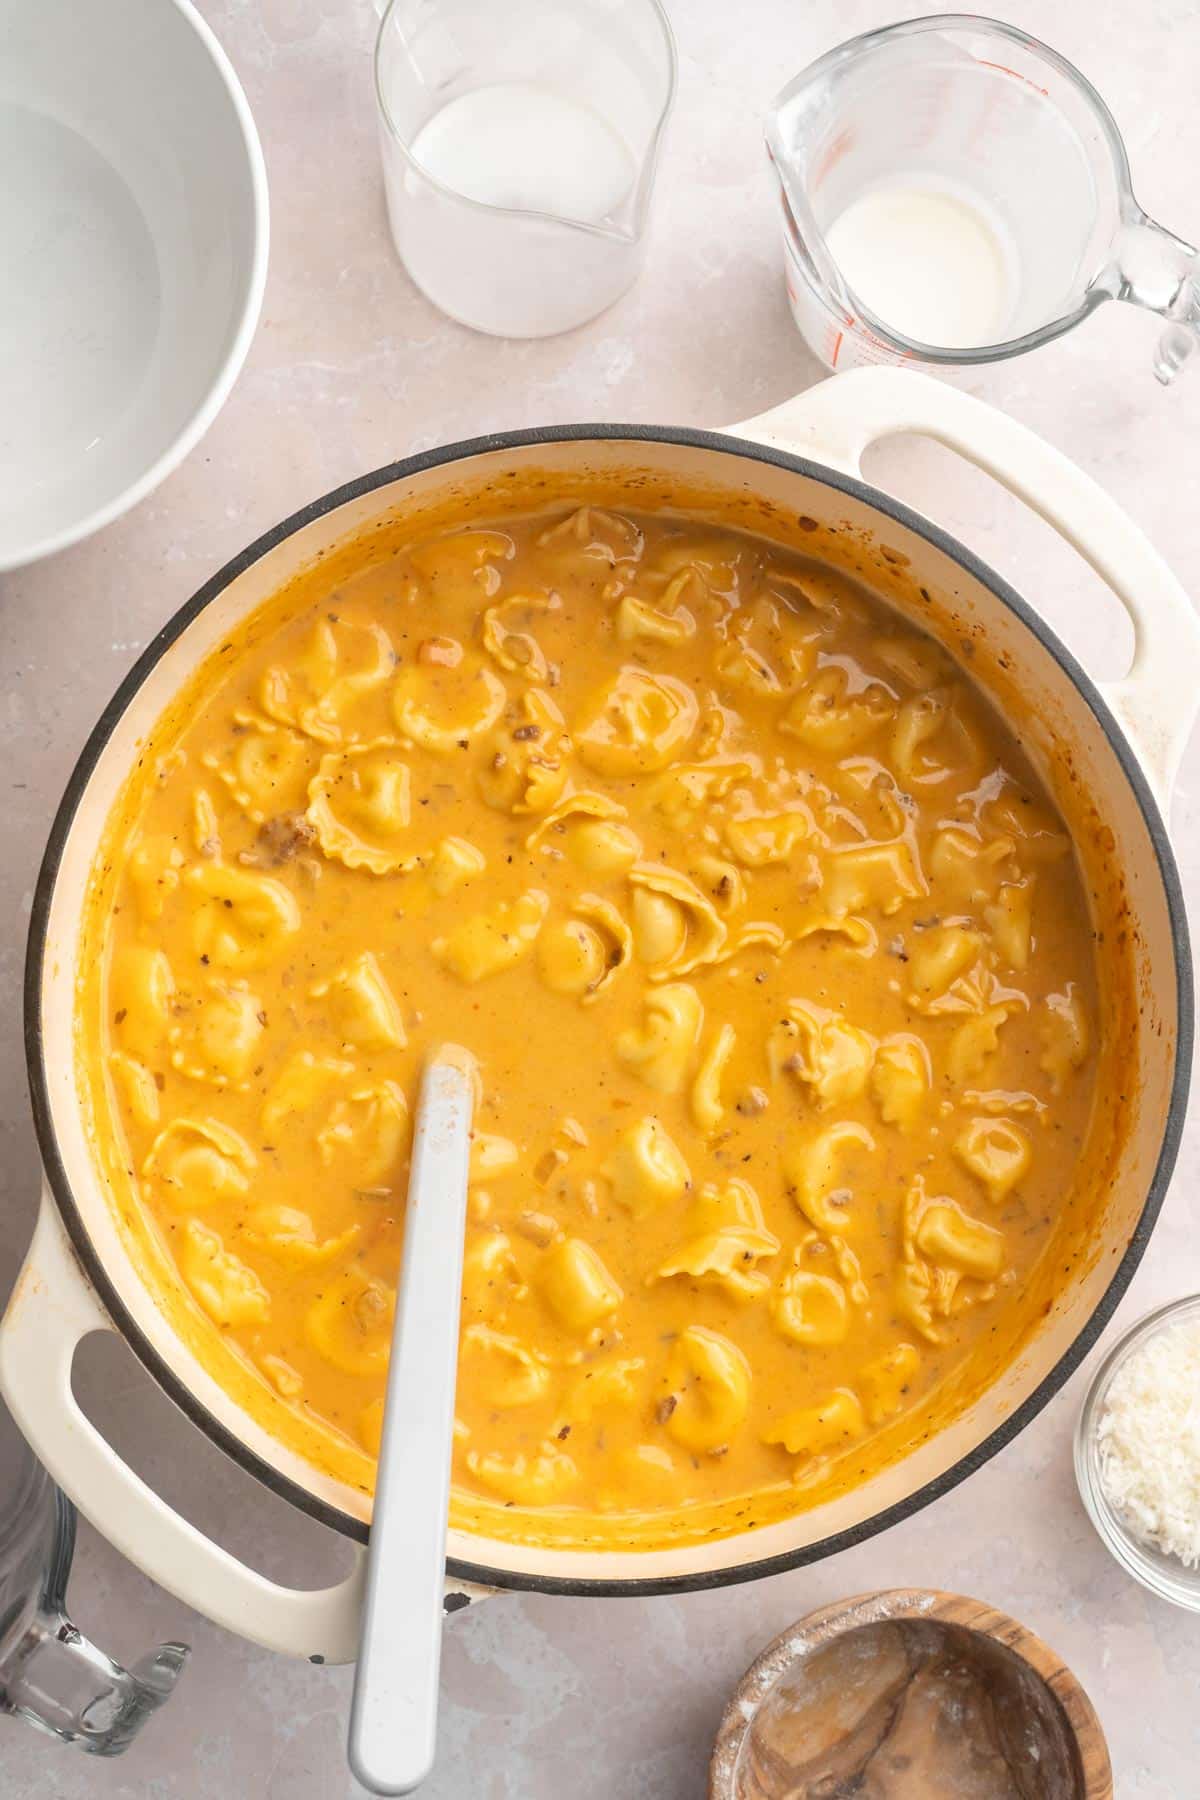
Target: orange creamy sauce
[(773, 953)]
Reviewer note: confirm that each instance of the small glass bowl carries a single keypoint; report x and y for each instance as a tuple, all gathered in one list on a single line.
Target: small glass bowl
[(1163, 1575)]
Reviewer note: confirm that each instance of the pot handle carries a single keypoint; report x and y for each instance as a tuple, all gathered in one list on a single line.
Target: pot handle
[(834, 422), (52, 1309)]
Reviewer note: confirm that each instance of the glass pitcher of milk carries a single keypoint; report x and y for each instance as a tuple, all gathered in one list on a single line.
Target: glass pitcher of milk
[(954, 192), (519, 143)]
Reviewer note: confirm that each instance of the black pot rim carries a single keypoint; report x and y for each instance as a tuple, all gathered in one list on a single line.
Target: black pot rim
[(688, 438)]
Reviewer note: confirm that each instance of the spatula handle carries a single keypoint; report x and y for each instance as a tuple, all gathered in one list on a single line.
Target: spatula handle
[(393, 1722)]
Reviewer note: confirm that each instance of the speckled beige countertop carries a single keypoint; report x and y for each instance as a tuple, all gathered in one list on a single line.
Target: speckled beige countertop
[(545, 1698)]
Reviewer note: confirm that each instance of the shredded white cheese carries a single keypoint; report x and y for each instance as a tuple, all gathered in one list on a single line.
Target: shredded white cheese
[(1148, 1438)]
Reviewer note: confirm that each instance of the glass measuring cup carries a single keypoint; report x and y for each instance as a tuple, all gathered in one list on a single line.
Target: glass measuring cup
[(50, 1674), (1001, 126), (519, 148)]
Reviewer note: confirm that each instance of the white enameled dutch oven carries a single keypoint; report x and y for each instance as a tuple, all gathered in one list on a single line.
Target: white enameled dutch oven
[(1120, 746)]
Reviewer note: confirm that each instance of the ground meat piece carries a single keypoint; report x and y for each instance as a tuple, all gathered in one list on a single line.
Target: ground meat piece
[(540, 1228), (548, 1165), (279, 839)]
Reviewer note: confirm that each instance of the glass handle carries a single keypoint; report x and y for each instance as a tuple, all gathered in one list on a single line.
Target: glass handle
[(62, 1683), (59, 1680), (1176, 345), (1159, 271)]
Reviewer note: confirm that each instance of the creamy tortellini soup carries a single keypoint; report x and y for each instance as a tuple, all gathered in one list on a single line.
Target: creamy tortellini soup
[(774, 954)]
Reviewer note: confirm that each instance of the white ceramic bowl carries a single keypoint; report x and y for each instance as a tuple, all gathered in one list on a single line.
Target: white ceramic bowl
[(133, 220)]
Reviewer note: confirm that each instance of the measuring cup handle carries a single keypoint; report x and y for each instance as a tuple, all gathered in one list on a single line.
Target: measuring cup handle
[(835, 422), (58, 1680), (1153, 268)]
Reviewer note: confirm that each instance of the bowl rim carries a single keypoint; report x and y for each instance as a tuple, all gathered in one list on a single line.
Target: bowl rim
[(20, 555), (855, 487), (1171, 1581), (883, 1605)]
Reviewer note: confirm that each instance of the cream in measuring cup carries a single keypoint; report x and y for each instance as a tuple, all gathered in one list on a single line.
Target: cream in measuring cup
[(929, 261), (954, 192)]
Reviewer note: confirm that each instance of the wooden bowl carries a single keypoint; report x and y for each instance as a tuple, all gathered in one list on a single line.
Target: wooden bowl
[(884, 1660)]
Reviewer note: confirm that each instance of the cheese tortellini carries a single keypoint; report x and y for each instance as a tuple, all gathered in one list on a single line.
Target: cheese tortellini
[(811, 1308), (266, 768), (242, 920), (825, 716), (524, 768), (1065, 1036), (367, 1128), (661, 1049), (444, 706), (771, 953), (350, 1322), (493, 941), (708, 1382), (706, 1103), (508, 634), (949, 1236), (873, 878), (816, 1167), (360, 805), (932, 741), (582, 955), (136, 1086), (303, 1081), (638, 725), (142, 990), (758, 840), (288, 1236), (638, 620), (646, 1169), (508, 1373), (362, 1005), (197, 1162), (577, 1287), (525, 1480), (997, 1152), (216, 1033), (900, 1080), (343, 661), (724, 1238), (830, 1057), (815, 1430), (676, 928), (228, 1289), (883, 1383)]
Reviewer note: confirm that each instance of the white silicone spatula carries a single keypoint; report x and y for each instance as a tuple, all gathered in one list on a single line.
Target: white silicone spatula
[(393, 1719)]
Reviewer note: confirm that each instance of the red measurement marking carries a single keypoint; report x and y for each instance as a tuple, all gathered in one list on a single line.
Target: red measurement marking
[(841, 146), (1016, 75), (836, 348)]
